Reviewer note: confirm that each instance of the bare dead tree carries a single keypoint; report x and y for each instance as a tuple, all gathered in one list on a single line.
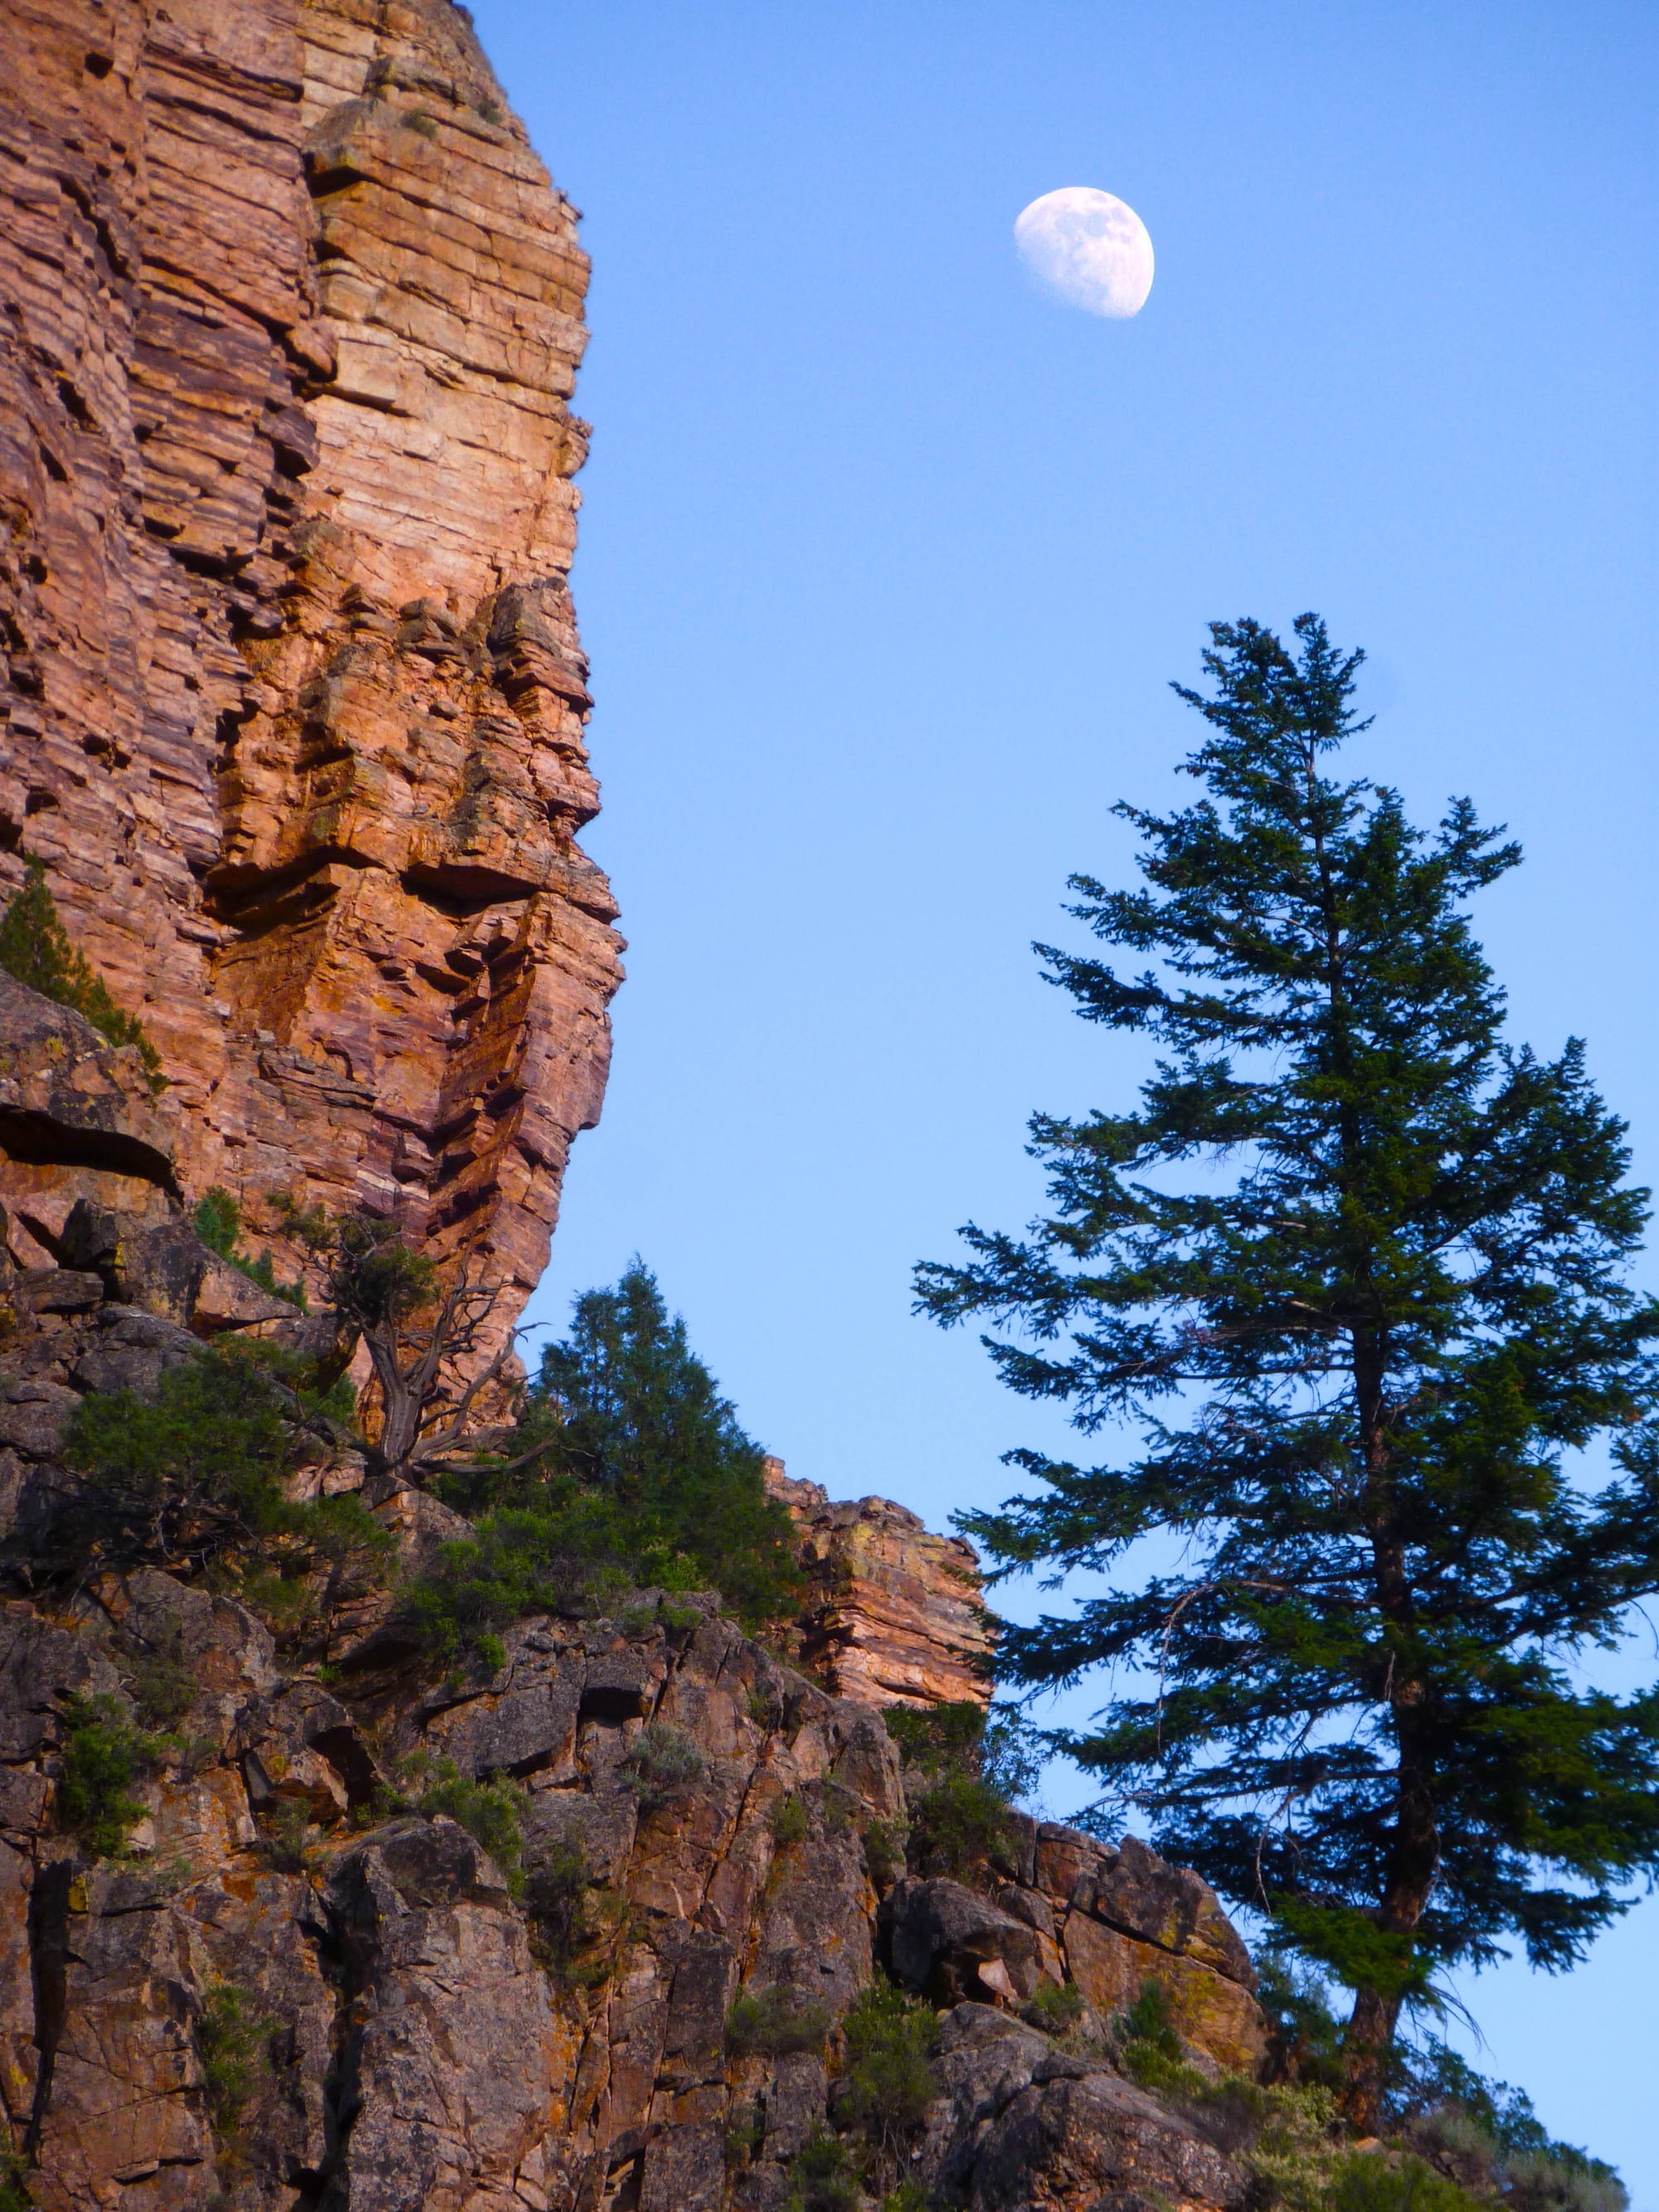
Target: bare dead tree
[(421, 1336)]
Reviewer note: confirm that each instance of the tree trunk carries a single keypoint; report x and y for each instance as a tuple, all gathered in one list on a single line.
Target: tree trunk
[(1415, 1848)]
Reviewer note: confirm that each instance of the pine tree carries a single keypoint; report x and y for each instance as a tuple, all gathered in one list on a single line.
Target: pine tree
[(36, 948), (627, 1466), (1353, 1275)]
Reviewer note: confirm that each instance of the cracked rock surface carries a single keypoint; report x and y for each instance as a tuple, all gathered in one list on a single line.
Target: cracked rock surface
[(431, 2034)]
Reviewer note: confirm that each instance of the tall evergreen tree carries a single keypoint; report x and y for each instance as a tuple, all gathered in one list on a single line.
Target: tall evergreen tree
[(1353, 1271)]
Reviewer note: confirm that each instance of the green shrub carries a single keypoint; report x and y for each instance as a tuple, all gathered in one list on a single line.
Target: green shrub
[(35, 948), (745, 2134), (1149, 2049), (909, 2196), (822, 2177), (1368, 2181), (973, 1763), (289, 1840), (14, 2183), (163, 1685), (790, 1824), (770, 2023), (889, 2081), (230, 2042), (563, 1923), (490, 1811), (1055, 2007), (957, 1824), (217, 1221), (659, 1761), (197, 1476), (884, 1844), (102, 1754)]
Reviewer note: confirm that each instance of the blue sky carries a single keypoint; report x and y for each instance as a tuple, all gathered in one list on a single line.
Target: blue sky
[(888, 559)]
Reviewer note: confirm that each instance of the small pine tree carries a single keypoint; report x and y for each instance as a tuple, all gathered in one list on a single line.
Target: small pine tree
[(1355, 1272), (35, 948), (642, 1421), (627, 1463)]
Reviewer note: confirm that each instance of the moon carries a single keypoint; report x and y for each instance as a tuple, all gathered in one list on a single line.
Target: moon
[(1088, 248)]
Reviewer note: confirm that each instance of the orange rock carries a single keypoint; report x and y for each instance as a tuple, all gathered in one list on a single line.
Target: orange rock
[(1215, 2015), (893, 1614), (293, 700)]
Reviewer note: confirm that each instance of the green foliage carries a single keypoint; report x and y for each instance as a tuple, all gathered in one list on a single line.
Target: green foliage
[(1149, 2049), (790, 1824), (163, 1685), (1304, 2035), (1365, 2181), (421, 123), (957, 1824), (884, 1847), (231, 2041), (890, 2080), (822, 2177), (770, 2023), (14, 2183), (659, 1761), (197, 1478), (559, 1904), (490, 1811), (909, 2196), (103, 1754), (639, 1476), (217, 1221), (1355, 1272), (289, 1841), (745, 2134), (973, 1763), (1054, 2007), (35, 948), (374, 1278)]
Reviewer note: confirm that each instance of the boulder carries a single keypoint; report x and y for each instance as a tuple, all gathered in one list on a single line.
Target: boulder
[(949, 1943)]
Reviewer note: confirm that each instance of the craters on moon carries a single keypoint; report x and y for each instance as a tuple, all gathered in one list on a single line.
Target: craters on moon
[(1088, 248)]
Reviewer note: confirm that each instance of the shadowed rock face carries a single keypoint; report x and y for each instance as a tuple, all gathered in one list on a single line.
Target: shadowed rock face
[(432, 2034), (293, 700)]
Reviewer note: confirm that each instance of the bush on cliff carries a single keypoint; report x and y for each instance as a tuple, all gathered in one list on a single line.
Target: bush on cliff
[(103, 1755), (627, 1470), (195, 1478), (966, 1767), (217, 1221), (35, 948)]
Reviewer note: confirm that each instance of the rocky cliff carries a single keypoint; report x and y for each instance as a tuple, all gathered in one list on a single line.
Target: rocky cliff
[(330, 1921), (430, 2026), (895, 1614), (293, 700)]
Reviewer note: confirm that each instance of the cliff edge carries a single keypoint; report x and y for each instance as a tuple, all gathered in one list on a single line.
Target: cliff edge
[(292, 695)]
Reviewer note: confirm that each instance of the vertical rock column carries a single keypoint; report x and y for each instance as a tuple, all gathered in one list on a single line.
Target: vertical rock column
[(295, 697)]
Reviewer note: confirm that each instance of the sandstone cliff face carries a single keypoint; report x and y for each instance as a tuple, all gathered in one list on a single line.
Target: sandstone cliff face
[(294, 699), (895, 1614)]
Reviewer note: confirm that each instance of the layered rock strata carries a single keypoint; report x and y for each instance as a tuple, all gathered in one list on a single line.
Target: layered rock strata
[(895, 1614), (293, 697)]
